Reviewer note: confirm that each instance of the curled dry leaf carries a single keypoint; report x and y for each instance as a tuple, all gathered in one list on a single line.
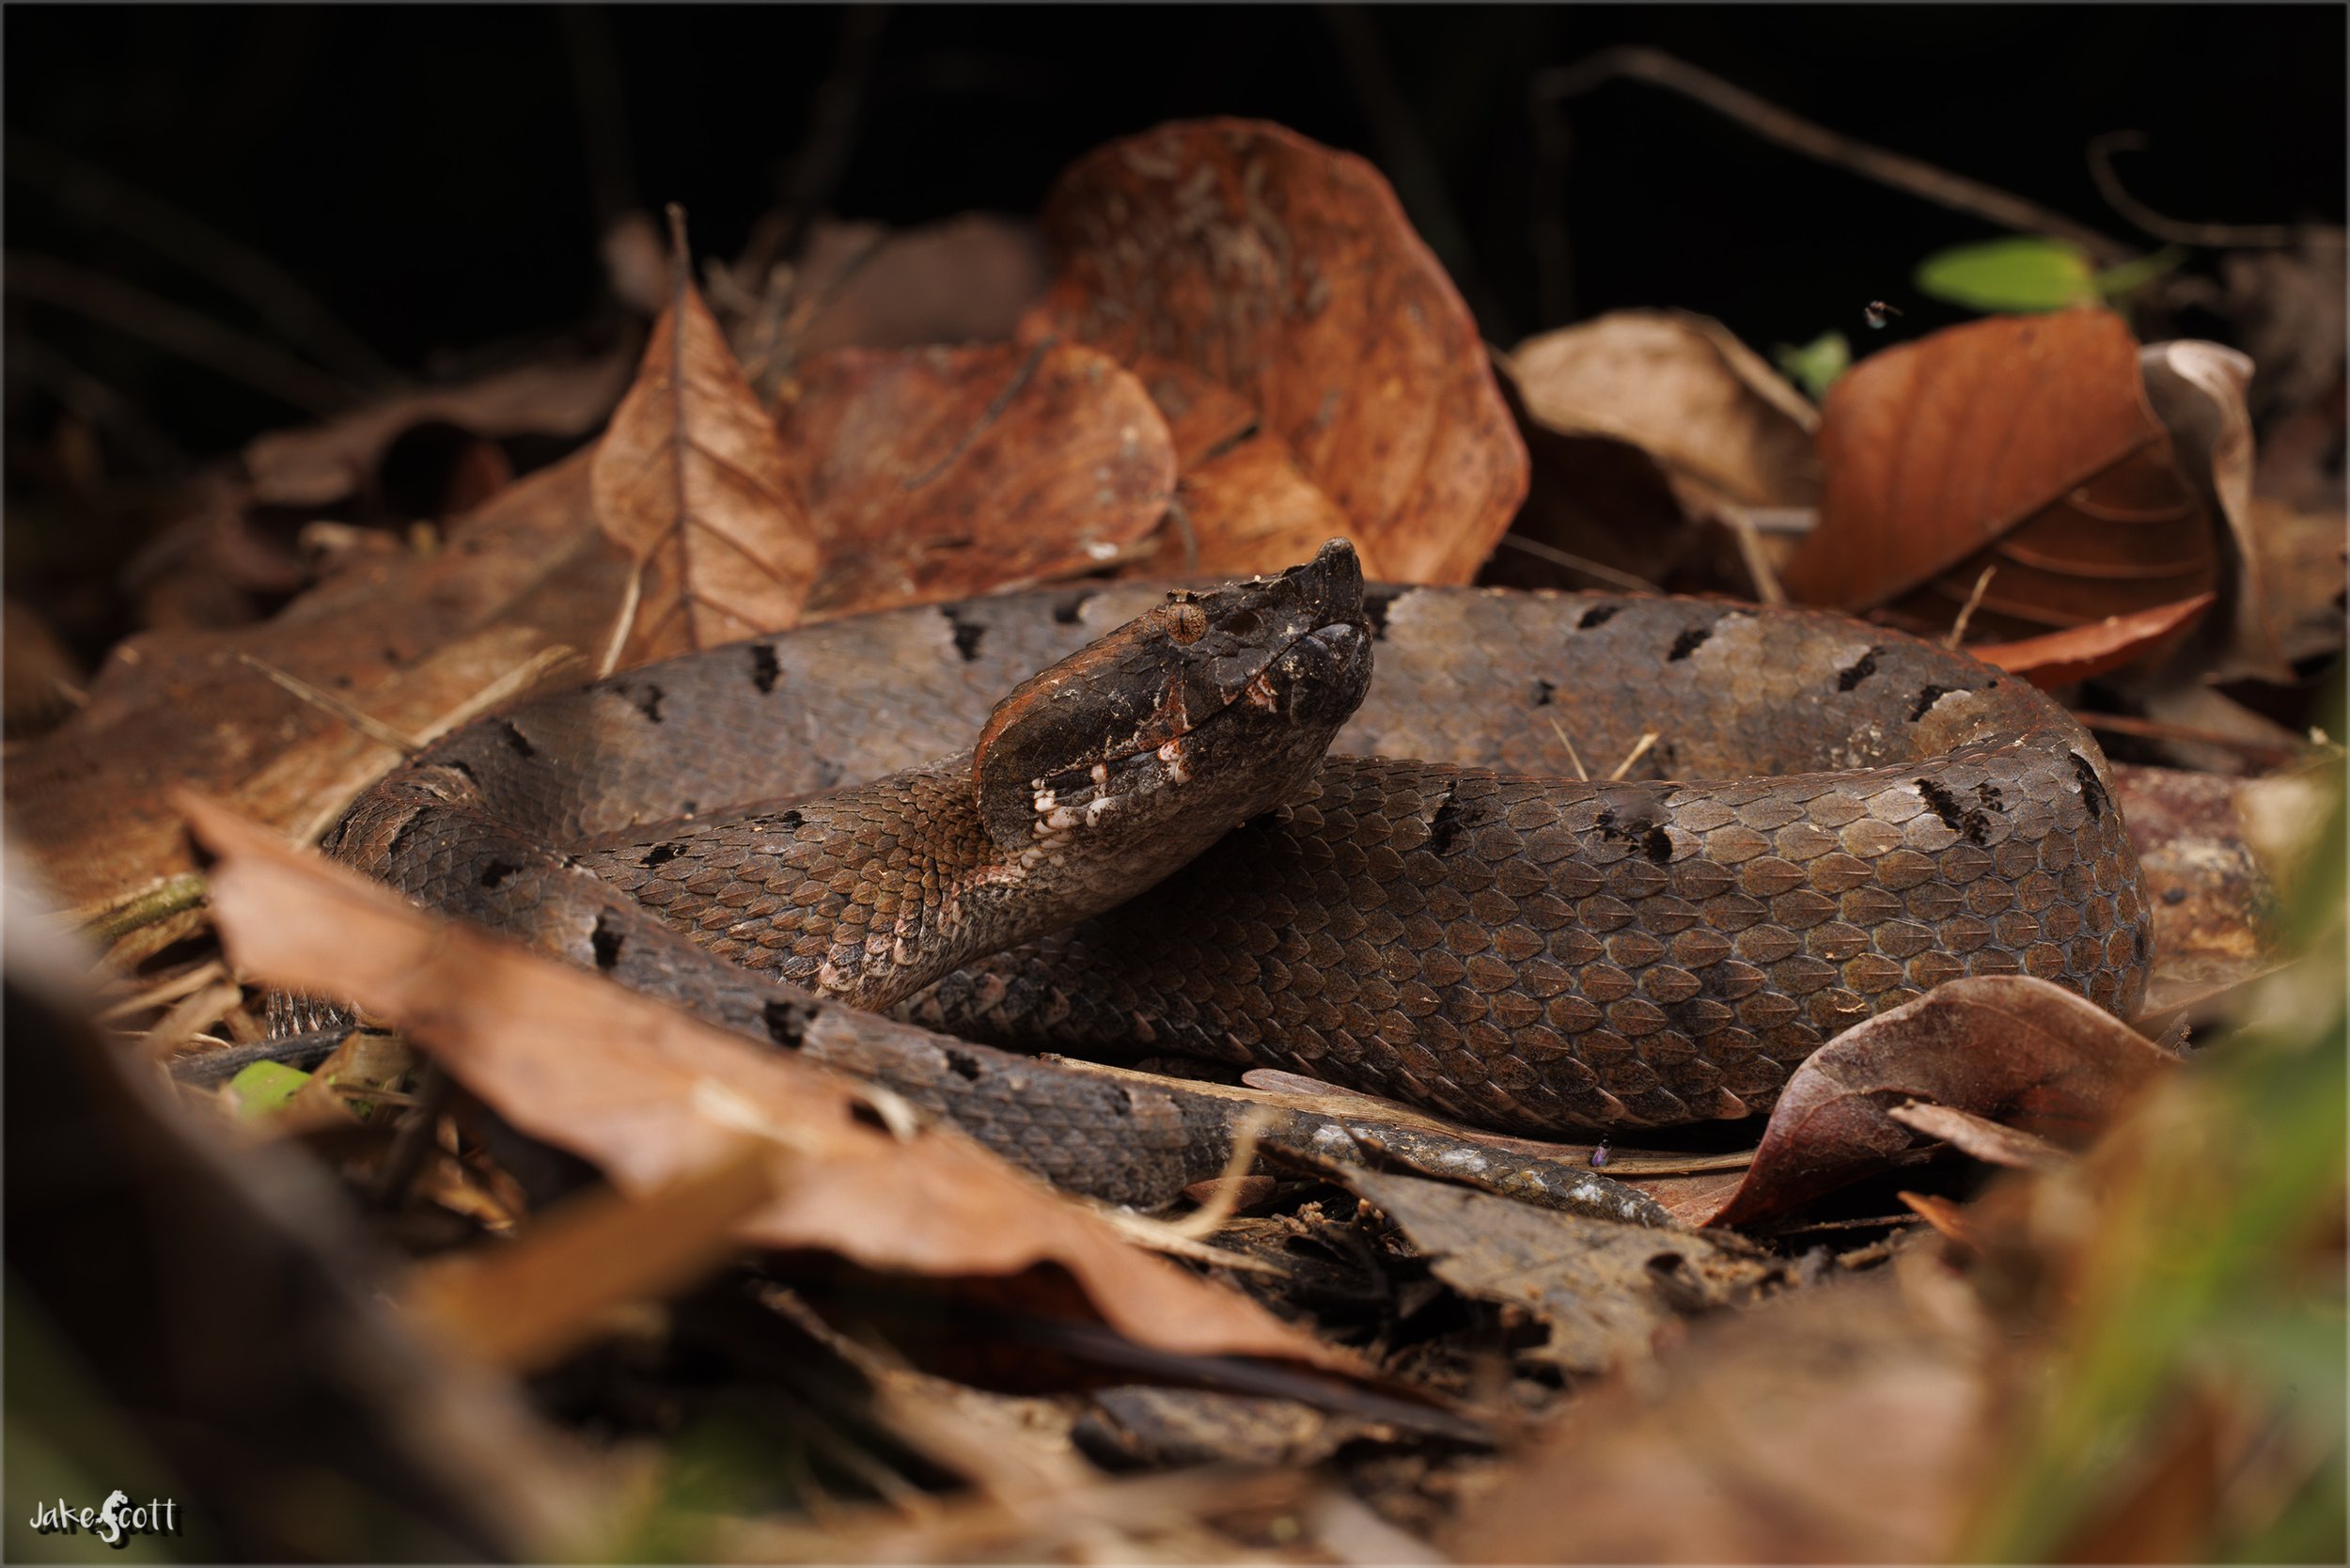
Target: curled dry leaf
[(415, 643), (1647, 428), (2017, 1050), (2078, 652), (1602, 1289), (1843, 1424), (323, 463), (1682, 389), (2024, 444), (651, 1096), (1288, 274), (692, 481), (2199, 391), (939, 472)]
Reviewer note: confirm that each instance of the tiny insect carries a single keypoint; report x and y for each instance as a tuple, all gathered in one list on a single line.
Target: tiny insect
[(1598, 1155), (1874, 313)]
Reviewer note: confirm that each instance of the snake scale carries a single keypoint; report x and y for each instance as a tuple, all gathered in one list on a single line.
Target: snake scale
[(1148, 853)]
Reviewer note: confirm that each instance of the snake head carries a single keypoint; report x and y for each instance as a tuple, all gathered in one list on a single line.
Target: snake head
[(1172, 729)]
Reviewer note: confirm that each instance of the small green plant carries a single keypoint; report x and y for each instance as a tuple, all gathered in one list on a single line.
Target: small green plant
[(2024, 275), (1815, 366)]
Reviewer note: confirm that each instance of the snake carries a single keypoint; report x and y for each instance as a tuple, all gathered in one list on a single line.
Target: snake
[(1288, 821)]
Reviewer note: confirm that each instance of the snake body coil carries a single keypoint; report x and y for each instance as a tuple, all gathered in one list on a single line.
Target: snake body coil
[(1830, 818)]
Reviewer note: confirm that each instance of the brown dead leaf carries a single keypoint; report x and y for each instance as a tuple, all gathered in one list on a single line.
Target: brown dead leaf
[(2019, 1050), (1682, 389), (2197, 390), (527, 1306), (1288, 274), (321, 464), (2026, 444), (652, 1096), (692, 480), (1602, 1289), (2078, 652), (940, 473), (965, 279), (414, 642), (1843, 1424), (1989, 1142), (1243, 501)]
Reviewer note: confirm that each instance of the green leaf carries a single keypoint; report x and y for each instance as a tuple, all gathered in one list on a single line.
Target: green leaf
[(2116, 281), (1815, 366), (2019, 274), (264, 1087)]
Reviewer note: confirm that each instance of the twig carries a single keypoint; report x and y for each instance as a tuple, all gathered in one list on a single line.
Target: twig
[(372, 727), (192, 336), (110, 922), (1580, 771), (603, 123), (274, 293), (1773, 123), (1967, 611), (832, 125), (2218, 235), (1589, 568), (1648, 739), (2155, 729), (1750, 539), (1211, 1215), (305, 1051), (413, 1138)]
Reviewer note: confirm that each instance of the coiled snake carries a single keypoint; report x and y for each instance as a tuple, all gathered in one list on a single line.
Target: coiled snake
[(1147, 851)]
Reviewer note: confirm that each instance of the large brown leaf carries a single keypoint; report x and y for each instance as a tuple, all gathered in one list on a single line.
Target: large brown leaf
[(1288, 274), (692, 480), (2056, 659), (2024, 444), (652, 1096), (2016, 1049), (938, 473), (1847, 1424), (412, 642)]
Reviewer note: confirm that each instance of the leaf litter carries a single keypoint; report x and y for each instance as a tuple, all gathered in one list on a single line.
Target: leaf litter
[(1244, 350)]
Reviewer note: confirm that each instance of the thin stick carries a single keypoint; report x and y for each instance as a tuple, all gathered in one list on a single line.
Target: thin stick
[(2218, 235), (192, 336), (1556, 557), (1749, 537), (372, 727), (2155, 729), (1211, 1215), (1648, 739), (1773, 123), (110, 922), (1580, 771), (1967, 611)]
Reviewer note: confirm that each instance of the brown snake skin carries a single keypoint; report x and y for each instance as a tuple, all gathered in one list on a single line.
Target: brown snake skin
[(1468, 931)]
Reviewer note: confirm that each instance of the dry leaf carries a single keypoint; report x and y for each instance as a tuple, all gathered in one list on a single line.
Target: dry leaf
[(943, 473), (2019, 1050), (692, 481), (1845, 1424), (1682, 389), (321, 464), (857, 285), (413, 642), (652, 1096), (2021, 443), (1288, 274), (2078, 652), (2197, 390), (1602, 1289)]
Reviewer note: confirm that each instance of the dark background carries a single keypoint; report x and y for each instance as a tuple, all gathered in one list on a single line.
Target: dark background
[(439, 175)]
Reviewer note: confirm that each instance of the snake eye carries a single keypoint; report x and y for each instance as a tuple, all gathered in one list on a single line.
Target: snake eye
[(1186, 622)]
